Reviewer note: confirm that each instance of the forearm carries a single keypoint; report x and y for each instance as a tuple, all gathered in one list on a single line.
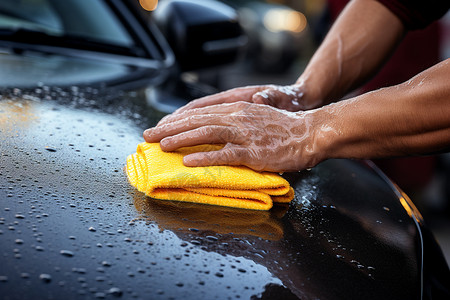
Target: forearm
[(407, 119), (360, 40)]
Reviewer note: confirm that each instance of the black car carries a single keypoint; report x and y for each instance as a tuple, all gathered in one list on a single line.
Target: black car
[(79, 81)]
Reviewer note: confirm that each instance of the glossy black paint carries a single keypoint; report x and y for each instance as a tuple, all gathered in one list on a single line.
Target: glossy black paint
[(69, 213)]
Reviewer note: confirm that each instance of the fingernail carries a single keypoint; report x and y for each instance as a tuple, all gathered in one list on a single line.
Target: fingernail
[(148, 131), (164, 142)]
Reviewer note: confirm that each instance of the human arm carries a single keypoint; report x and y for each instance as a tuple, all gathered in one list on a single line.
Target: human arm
[(360, 40), (410, 118), (358, 43)]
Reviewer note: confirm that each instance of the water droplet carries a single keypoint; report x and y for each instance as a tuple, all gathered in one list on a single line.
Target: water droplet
[(218, 274), (106, 264), (116, 292), (19, 241), (386, 208), (45, 278), (79, 270), (19, 216), (92, 229), (50, 149), (66, 253)]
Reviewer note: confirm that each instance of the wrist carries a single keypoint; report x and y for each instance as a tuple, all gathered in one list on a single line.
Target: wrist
[(353, 129), (315, 135), (310, 93)]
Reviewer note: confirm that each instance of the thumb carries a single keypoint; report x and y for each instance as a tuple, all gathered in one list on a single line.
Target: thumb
[(264, 97)]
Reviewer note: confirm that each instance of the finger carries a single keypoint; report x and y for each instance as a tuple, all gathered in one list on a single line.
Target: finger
[(264, 97), (230, 96), (187, 114), (184, 124), (219, 110), (229, 155), (233, 95), (282, 97), (202, 135)]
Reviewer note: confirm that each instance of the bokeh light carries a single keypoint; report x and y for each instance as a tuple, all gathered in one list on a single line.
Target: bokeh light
[(148, 4), (277, 20)]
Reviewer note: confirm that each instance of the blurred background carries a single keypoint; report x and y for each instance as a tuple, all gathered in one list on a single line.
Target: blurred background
[(281, 38)]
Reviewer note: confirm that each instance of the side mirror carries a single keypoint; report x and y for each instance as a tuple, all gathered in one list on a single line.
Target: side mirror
[(201, 33)]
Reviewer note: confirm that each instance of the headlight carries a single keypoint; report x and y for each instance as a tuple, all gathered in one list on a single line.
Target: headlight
[(277, 20)]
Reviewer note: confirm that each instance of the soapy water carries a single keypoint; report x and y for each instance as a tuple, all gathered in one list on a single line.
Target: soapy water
[(127, 105), (291, 97), (261, 127), (68, 186), (284, 97), (111, 231), (258, 136)]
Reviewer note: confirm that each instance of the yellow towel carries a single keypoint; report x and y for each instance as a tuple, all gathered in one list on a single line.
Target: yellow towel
[(162, 175)]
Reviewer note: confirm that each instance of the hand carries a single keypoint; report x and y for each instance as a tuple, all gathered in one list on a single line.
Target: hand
[(289, 97), (257, 136)]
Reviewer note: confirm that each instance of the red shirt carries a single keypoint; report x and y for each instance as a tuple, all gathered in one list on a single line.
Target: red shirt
[(417, 14)]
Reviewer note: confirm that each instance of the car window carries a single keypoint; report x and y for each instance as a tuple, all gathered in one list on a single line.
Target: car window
[(91, 19)]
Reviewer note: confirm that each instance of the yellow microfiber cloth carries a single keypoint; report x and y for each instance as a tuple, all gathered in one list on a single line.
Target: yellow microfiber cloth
[(162, 175)]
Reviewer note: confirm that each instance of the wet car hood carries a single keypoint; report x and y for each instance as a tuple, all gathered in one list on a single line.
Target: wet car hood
[(71, 226)]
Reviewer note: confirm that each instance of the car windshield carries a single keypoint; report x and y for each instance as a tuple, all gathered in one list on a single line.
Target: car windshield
[(91, 20)]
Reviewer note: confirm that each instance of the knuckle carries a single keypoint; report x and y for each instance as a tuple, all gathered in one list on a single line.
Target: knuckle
[(205, 131), (192, 120), (227, 154)]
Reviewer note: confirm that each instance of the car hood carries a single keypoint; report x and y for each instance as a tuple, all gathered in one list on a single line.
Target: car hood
[(71, 225)]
